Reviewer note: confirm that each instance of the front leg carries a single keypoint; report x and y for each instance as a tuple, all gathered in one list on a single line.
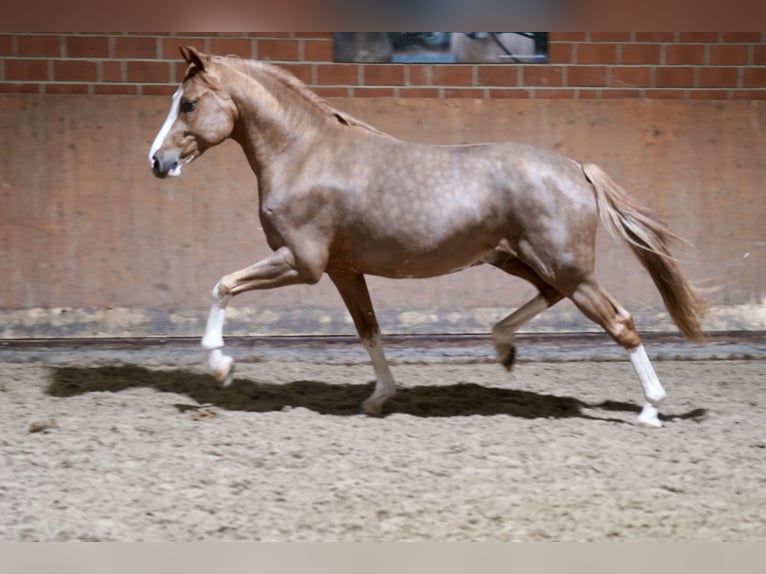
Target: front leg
[(275, 271), (221, 365)]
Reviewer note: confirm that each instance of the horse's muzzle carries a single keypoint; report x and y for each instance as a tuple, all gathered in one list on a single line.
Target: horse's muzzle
[(164, 163)]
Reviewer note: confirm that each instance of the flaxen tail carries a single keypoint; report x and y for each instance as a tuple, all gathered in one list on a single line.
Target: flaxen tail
[(648, 238)]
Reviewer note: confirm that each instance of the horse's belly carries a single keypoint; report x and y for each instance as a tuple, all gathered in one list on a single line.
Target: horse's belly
[(399, 261)]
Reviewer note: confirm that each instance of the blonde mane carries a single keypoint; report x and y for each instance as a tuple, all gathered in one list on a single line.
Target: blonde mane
[(255, 69)]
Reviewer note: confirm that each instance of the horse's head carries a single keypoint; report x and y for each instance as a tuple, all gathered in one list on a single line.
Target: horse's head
[(201, 116)]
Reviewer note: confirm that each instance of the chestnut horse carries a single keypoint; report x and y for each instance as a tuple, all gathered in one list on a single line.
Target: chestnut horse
[(338, 196)]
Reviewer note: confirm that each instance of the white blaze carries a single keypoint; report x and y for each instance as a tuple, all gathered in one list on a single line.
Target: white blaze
[(172, 115)]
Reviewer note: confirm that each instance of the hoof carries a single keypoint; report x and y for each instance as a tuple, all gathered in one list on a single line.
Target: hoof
[(225, 377), (506, 355), (649, 417), (373, 408), (223, 367)]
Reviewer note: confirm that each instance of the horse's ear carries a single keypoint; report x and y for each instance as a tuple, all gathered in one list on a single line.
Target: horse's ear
[(193, 56)]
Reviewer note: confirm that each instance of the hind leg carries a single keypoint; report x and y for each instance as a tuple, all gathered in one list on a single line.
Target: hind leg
[(353, 290), (603, 309), (504, 331)]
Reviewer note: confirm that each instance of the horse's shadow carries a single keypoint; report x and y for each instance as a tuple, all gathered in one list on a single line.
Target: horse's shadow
[(460, 399)]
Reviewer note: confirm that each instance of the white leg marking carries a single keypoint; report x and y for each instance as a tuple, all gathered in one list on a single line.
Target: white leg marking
[(649, 416), (653, 391), (222, 367), (213, 338), (172, 115), (384, 380), (220, 364)]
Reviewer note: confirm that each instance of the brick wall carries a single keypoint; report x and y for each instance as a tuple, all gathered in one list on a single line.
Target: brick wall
[(582, 65)]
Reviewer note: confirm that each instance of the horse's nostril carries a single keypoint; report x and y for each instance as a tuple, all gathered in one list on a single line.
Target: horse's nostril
[(157, 168)]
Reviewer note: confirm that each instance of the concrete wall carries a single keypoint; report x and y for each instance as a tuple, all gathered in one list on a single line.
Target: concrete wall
[(92, 244)]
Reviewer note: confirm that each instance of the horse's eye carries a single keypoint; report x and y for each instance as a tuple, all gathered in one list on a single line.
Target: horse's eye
[(187, 106)]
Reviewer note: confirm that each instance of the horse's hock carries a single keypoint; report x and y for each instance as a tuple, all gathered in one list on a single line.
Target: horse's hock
[(93, 245)]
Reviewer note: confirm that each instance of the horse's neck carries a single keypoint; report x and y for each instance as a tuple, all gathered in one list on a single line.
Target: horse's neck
[(269, 124)]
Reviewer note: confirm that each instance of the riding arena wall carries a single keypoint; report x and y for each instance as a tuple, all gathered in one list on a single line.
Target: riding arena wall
[(92, 245)]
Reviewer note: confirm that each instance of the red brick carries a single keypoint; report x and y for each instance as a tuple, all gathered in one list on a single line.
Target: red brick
[(655, 37), (729, 55), (75, 71), (153, 72), (674, 77), (498, 75), (332, 92), (541, 75), (366, 92), (710, 77), (232, 47), (610, 36), (698, 37), (596, 53), (38, 46), (26, 70), (6, 45), (170, 47), (759, 55), (630, 76), (419, 75), (586, 76), (751, 77), (87, 47), (452, 75), (560, 53), (383, 74), (135, 48), (12, 88), (318, 50), (419, 92), (741, 37), (685, 54), (66, 88), (464, 93), (337, 74), (277, 50), (502, 93), (303, 72), (157, 90), (640, 54)]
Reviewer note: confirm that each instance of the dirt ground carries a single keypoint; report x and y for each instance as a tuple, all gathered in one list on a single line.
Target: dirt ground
[(154, 451)]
